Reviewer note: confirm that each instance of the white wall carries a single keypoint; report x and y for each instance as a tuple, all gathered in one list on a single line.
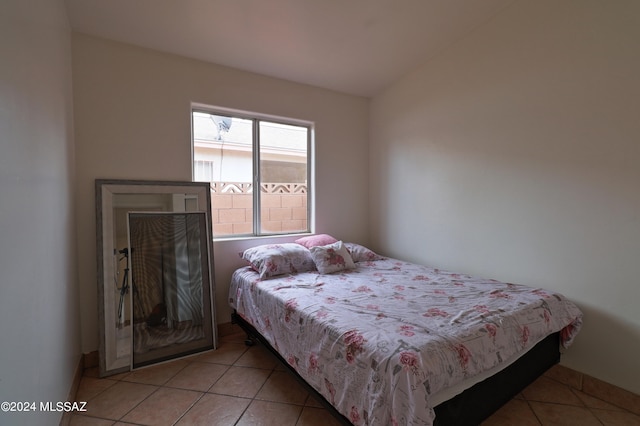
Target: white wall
[(515, 154), (132, 121), (39, 330)]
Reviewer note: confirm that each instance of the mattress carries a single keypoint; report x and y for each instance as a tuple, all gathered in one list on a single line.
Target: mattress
[(387, 341)]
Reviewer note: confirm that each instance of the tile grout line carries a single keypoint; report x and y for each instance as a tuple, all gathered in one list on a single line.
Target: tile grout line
[(591, 407), (533, 411), (188, 409), (228, 367), (253, 399), (188, 362), (149, 396)]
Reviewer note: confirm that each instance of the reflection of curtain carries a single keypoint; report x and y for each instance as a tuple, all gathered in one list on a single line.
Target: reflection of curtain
[(146, 235), (167, 266), (184, 299), (193, 309)]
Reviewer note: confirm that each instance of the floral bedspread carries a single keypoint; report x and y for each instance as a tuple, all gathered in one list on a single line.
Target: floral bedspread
[(377, 341)]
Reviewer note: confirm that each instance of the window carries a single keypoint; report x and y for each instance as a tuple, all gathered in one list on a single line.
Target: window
[(240, 152), (202, 171)]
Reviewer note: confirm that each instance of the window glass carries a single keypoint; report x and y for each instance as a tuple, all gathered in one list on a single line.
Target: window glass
[(225, 150), (283, 176)]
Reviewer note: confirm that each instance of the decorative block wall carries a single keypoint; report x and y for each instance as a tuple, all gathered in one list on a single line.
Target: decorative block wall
[(284, 207)]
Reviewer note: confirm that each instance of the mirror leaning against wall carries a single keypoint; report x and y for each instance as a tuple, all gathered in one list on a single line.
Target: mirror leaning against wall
[(155, 272)]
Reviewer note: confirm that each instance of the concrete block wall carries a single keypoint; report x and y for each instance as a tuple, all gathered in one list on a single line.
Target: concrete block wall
[(281, 211)]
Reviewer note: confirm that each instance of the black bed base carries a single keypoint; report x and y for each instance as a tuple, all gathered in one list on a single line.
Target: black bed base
[(473, 405), (478, 402)]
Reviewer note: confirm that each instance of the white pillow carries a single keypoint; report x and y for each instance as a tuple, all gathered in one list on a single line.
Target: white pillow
[(332, 258), (271, 260), (361, 253)]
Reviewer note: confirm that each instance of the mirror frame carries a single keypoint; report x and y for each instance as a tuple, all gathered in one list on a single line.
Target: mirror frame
[(106, 189)]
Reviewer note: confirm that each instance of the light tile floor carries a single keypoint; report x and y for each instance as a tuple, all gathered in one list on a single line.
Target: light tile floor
[(240, 385)]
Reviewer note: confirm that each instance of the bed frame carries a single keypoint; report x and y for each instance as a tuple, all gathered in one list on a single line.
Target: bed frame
[(473, 405)]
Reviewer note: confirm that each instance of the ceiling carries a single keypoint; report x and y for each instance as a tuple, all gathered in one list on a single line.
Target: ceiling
[(352, 46)]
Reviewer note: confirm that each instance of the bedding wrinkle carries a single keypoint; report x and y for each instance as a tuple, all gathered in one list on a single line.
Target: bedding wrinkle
[(380, 340)]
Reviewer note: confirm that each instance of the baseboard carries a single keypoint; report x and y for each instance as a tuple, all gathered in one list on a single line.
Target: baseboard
[(75, 384), (228, 328), (596, 388), (91, 359)]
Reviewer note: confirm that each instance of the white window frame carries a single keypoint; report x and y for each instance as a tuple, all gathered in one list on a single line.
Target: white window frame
[(256, 118)]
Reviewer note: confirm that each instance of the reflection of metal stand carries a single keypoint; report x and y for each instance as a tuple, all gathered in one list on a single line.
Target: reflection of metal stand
[(124, 288)]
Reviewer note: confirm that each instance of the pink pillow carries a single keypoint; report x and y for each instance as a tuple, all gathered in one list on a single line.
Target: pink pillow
[(316, 240)]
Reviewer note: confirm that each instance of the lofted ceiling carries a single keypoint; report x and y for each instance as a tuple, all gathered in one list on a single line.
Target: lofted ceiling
[(352, 46)]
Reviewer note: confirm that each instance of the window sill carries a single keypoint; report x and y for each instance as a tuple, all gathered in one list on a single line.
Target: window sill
[(261, 237)]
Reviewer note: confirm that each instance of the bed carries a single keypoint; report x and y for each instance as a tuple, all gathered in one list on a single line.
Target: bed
[(384, 341)]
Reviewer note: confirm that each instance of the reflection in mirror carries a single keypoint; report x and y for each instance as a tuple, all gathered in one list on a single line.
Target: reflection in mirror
[(115, 199), (168, 267)]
